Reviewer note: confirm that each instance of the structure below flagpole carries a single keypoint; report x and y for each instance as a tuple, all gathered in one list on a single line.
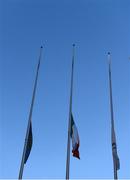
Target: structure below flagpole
[(28, 141), (69, 122)]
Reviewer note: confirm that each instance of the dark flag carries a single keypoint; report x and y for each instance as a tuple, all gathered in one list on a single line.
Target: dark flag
[(115, 156), (29, 143)]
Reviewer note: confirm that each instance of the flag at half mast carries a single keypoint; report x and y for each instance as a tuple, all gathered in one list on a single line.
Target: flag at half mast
[(116, 161), (29, 136), (72, 129)]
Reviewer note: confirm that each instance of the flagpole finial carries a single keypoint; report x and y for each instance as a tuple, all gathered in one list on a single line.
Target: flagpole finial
[(41, 47), (109, 55), (73, 49), (109, 59)]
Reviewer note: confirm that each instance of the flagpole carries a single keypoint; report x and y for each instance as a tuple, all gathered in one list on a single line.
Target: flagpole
[(30, 118), (112, 116), (69, 123)]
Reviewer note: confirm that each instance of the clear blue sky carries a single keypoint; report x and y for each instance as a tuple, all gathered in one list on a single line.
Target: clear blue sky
[(96, 26)]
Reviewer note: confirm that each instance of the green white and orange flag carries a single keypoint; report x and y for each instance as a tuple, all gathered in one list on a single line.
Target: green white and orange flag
[(75, 138)]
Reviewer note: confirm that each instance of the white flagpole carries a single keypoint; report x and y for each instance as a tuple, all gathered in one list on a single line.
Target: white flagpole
[(113, 137), (30, 118), (69, 123)]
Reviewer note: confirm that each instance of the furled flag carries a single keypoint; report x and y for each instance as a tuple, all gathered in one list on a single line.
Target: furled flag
[(29, 144), (75, 139), (114, 151)]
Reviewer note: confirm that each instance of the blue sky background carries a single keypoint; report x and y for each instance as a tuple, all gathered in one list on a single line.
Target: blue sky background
[(96, 27)]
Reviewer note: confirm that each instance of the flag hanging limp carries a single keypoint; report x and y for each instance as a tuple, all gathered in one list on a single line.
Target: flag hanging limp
[(114, 149), (115, 156), (29, 144), (75, 139)]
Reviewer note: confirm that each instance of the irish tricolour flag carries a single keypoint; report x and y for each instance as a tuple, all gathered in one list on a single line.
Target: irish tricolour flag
[(75, 138)]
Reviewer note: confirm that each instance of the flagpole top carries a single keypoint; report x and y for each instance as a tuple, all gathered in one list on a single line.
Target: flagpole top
[(109, 58), (41, 47), (73, 45)]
